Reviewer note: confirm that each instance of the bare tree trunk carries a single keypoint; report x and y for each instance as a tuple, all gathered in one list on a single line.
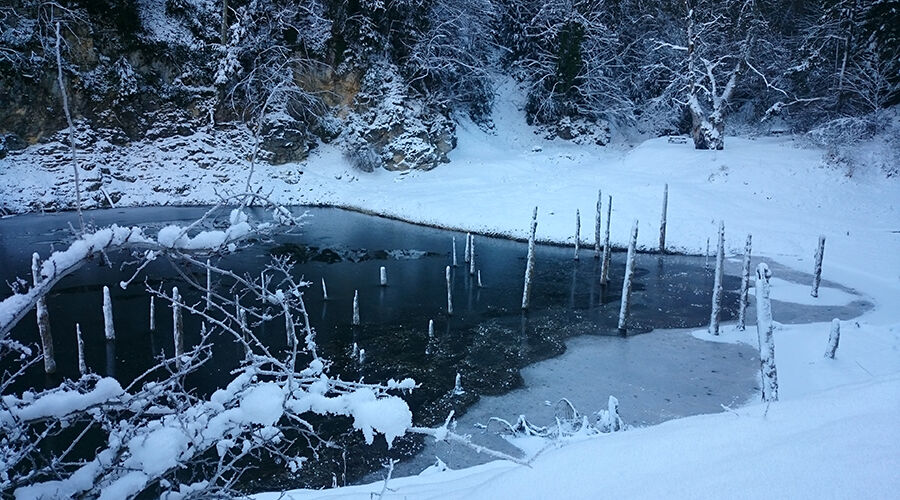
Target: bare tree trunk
[(65, 99), (324, 290), (529, 266), (597, 224), (468, 254), (449, 291), (479, 279), (607, 251), (43, 318), (453, 253), (717, 285), (577, 232), (629, 276), (765, 333), (744, 299), (662, 220), (382, 273), (817, 272), (108, 328), (472, 255), (833, 338), (355, 307)]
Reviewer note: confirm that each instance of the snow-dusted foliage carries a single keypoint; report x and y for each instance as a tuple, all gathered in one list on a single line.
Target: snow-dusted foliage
[(391, 129)]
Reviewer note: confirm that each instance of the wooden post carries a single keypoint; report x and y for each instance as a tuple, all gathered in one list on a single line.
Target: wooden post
[(577, 232), (629, 276), (472, 255), (152, 313), (597, 224), (607, 251), (453, 252), (82, 365), (355, 307), (43, 319), (833, 338), (468, 254), (817, 272), (449, 292), (177, 326), (383, 276), (529, 266), (717, 284), (744, 299), (108, 329), (765, 333), (662, 220)]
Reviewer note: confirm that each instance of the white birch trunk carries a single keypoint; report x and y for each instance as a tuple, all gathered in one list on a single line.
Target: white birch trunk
[(356, 307), (577, 232), (833, 338), (607, 251), (744, 299), (43, 319), (453, 253), (817, 272), (662, 220), (629, 276), (449, 292), (382, 273), (108, 328), (152, 313), (82, 365), (765, 334), (324, 290), (177, 326), (529, 266), (716, 311), (597, 224)]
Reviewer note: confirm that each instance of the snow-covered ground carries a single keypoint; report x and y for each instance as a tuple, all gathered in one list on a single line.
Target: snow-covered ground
[(833, 434)]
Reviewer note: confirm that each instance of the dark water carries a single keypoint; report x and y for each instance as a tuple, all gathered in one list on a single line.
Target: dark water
[(487, 340)]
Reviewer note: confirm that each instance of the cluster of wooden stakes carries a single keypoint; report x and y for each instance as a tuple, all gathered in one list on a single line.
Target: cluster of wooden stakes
[(601, 250)]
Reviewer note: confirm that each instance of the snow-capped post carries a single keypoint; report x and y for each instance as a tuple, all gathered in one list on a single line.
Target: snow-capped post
[(457, 386), (108, 329), (382, 273), (177, 326), (613, 421), (706, 261), (453, 252), (449, 292), (597, 224), (479, 279), (43, 318), (717, 283), (817, 273), (355, 351), (529, 266), (833, 338), (629, 275), (208, 287), (324, 290), (82, 365), (468, 254), (744, 299), (765, 332), (355, 307), (362, 356), (607, 251), (577, 232), (430, 336), (662, 220), (152, 313), (471, 255)]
